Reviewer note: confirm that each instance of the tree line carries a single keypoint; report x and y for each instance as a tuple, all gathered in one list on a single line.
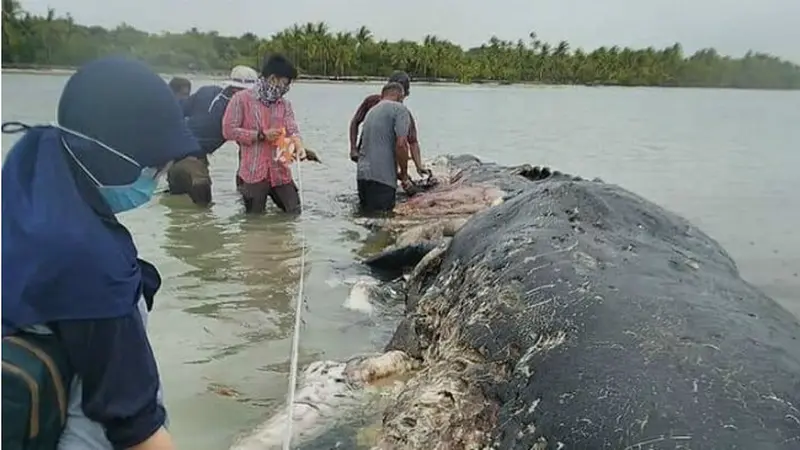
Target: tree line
[(57, 41)]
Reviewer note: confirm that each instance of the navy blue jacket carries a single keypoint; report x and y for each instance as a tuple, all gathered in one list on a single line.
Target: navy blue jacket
[(204, 111)]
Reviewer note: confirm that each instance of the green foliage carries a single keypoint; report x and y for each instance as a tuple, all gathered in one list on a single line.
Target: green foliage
[(30, 40)]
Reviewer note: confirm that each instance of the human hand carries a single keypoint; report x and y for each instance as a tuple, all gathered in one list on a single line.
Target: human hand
[(403, 179), (260, 136), (354, 155), (424, 171), (407, 185), (300, 153), (273, 133)]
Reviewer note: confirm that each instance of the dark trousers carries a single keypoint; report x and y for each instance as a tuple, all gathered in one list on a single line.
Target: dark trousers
[(375, 197), (190, 176), (254, 196)]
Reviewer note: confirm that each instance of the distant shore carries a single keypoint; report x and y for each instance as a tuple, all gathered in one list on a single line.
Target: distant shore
[(331, 79), (320, 79), (32, 70)]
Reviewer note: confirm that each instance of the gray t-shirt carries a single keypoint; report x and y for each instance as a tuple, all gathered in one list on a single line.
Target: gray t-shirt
[(384, 123)]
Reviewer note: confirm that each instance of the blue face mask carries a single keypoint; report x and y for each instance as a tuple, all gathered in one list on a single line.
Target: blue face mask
[(125, 197), (131, 196)]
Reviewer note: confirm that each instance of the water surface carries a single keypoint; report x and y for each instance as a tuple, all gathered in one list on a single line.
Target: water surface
[(727, 160)]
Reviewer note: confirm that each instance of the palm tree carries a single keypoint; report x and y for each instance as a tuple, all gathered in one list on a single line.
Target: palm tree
[(51, 39)]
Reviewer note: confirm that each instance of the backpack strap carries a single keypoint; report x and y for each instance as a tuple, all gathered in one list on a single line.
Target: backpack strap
[(61, 392)]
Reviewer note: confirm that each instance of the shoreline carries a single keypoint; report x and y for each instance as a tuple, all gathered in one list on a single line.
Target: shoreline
[(216, 76), (372, 80)]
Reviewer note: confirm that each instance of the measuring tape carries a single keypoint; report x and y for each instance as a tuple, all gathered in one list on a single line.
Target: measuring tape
[(293, 370)]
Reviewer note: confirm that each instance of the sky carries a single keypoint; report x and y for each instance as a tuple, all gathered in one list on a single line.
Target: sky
[(730, 26)]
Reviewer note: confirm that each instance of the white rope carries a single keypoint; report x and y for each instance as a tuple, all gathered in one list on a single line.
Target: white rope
[(287, 440)]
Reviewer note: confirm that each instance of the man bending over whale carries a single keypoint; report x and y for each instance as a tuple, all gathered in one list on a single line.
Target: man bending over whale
[(204, 111), (383, 155), (368, 103)]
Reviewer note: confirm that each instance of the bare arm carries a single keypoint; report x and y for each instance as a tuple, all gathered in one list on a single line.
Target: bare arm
[(402, 126), (160, 440), (356, 121), (233, 120), (413, 143), (292, 130)]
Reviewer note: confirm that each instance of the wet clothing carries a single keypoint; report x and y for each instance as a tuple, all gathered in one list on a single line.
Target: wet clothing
[(376, 172), (377, 159), (374, 197), (204, 111), (258, 166), (191, 176), (254, 196), (86, 287), (361, 113)]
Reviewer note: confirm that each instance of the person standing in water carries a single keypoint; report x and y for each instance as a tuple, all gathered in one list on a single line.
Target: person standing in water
[(383, 155), (256, 119), (368, 103), (204, 111), (74, 288)]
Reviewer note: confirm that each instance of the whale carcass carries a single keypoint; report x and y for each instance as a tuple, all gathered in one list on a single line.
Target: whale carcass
[(577, 315), (327, 391), (565, 314), (464, 186)]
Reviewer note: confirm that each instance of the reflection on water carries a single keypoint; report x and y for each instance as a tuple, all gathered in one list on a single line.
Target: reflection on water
[(224, 313), (260, 254)]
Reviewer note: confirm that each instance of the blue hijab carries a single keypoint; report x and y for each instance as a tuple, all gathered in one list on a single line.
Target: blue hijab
[(64, 254)]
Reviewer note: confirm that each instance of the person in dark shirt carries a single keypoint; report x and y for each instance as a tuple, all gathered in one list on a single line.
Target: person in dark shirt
[(204, 111), (181, 87), (62, 187), (361, 113)]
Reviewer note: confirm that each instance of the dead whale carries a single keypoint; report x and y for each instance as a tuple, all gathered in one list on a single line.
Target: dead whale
[(327, 391), (463, 186), (577, 315)]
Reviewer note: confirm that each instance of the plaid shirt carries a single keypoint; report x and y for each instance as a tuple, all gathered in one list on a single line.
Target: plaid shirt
[(244, 117)]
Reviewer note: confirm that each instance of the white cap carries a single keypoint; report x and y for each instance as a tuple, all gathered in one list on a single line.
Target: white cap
[(242, 76)]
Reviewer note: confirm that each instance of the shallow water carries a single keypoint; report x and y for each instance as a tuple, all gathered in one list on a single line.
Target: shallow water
[(727, 160)]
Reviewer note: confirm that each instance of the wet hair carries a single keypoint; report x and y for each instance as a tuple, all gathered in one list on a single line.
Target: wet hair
[(280, 66), (180, 84), (393, 88)]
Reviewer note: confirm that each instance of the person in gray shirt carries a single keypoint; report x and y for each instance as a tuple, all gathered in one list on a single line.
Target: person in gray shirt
[(383, 156)]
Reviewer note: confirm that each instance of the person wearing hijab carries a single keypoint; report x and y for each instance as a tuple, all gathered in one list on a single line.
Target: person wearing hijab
[(203, 111), (71, 270)]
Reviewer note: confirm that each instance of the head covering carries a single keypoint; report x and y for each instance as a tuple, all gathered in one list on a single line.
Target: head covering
[(136, 115), (402, 78), (65, 256), (242, 77)]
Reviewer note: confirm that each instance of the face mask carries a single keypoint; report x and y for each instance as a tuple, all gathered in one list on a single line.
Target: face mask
[(271, 92), (134, 195), (125, 197)]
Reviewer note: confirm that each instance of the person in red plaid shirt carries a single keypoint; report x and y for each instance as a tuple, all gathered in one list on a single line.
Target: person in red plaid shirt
[(256, 118)]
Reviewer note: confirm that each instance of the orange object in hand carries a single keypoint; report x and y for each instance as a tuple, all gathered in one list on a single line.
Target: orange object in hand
[(284, 148)]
